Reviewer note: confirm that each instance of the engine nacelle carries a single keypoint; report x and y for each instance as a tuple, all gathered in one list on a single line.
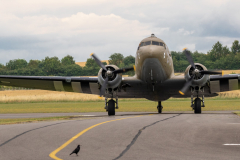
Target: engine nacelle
[(199, 79), (113, 81)]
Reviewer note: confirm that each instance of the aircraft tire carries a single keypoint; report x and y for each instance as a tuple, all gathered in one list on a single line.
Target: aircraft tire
[(159, 109), (197, 106), (111, 107)]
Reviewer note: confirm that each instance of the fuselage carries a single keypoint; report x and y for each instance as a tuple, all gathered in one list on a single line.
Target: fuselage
[(153, 61)]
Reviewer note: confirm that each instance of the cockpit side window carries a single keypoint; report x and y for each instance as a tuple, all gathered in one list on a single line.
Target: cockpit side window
[(162, 44), (152, 43), (148, 43), (142, 44)]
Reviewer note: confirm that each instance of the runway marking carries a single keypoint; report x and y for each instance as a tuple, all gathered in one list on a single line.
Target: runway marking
[(231, 144), (53, 154)]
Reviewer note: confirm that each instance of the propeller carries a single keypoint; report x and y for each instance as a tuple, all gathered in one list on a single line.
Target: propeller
[(195, 73), (109, 73)]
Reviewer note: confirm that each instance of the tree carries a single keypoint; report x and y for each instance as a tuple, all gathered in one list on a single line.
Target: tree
[(34, 63), (91, 68), (225, 51), (129, 60), (16, 64), (216, 52), (51, 65), (116, 59), (2, 66), (71, 70), (67, 60), (235, 47)]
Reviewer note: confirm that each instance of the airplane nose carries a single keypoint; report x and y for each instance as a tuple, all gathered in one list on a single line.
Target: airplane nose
[(155, 52)]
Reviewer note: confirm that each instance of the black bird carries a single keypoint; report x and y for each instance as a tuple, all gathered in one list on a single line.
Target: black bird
[(76, 150)]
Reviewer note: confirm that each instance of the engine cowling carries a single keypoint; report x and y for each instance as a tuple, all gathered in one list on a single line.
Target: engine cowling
[(114, 80), (199, 79)]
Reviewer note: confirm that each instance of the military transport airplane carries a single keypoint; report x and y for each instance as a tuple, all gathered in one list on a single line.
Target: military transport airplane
[(154, 79)]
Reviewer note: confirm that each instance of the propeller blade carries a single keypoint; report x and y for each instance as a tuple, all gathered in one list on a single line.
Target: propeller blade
[(103, 88), (186, 86), (122, 70), (97, 60), (211, 72), (189, 57)]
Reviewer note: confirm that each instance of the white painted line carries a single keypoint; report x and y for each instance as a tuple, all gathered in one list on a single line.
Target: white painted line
[(231, 144)]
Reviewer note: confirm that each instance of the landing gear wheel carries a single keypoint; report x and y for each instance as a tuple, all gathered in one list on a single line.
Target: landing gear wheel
[(197, 106), (111, 107), (159, 107)]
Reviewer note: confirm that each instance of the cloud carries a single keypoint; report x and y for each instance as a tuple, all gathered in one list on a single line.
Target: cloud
[(36, 29), (78, 35)]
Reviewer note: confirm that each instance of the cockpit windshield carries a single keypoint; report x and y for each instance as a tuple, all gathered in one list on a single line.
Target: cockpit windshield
[(152, 43)]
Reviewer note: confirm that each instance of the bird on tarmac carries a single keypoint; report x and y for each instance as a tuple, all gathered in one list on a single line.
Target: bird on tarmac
[(76, 150)]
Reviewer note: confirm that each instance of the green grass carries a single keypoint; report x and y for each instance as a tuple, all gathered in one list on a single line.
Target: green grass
[(124, 106), (26, 120), (238, 113)]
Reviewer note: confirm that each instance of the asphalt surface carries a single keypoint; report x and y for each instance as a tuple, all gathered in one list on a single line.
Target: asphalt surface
[(138, 136)]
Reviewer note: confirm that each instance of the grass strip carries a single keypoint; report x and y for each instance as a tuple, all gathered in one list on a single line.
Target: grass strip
[(124, 106), (27, 120), (238, 113)]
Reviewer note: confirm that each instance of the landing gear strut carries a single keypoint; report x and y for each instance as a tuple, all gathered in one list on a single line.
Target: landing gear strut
[(197, 104), (159, 107)]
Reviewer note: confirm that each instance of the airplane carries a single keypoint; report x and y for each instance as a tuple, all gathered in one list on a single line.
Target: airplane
[(154, 79)]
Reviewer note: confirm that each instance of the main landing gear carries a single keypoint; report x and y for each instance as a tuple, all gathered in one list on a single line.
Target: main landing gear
[(159, 107), (197, 103), (110, 106)]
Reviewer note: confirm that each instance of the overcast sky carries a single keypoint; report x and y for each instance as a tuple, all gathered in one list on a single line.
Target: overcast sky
[(34, 29)]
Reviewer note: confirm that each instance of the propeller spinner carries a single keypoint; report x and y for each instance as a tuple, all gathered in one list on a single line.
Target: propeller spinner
[(109, 73), (196, 72)]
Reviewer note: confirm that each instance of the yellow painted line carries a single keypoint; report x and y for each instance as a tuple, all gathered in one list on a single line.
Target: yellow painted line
[(53, 154)]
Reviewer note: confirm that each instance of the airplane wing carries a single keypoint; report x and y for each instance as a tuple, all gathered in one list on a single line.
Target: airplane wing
[(216, 84), (224, 83), (131, 87), (69, 84)]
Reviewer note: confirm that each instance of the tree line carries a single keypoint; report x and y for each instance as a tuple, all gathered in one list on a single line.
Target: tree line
[(53, 66), (219, 57)]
